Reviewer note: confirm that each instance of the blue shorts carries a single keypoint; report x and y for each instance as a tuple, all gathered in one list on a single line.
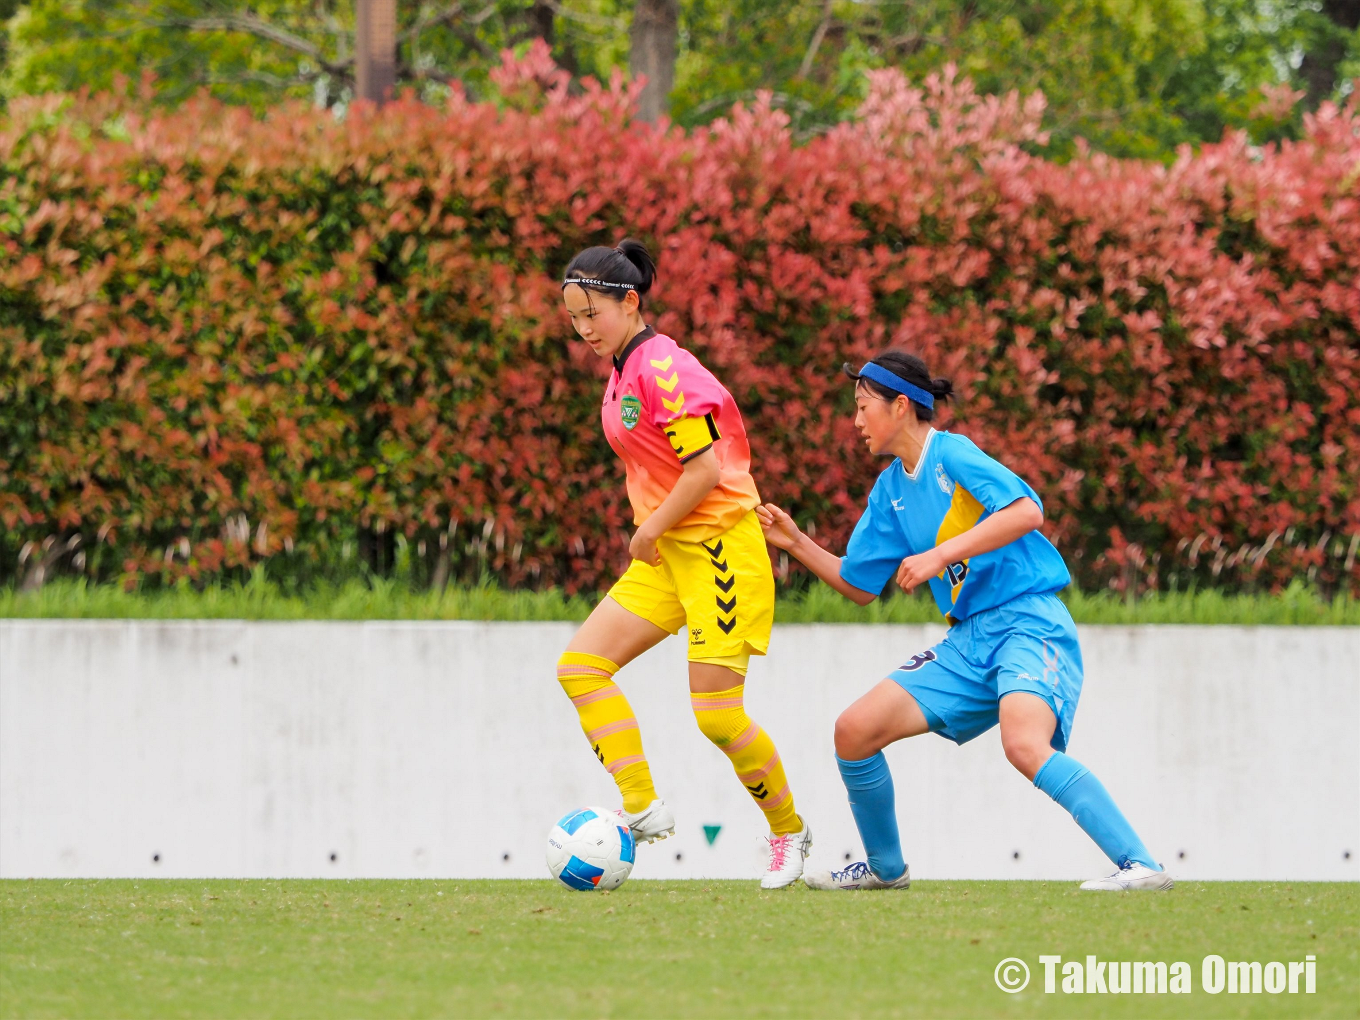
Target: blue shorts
[(1028, 644)]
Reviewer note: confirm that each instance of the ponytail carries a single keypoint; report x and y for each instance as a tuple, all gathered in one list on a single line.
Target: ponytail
[(613, 271)]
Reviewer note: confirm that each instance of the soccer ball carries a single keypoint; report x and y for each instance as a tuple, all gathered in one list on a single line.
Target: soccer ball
[(591, 849)]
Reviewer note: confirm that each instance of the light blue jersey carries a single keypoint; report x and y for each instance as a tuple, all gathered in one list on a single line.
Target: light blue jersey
[(954, 487)]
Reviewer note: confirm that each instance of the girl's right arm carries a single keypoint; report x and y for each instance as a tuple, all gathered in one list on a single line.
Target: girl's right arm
[(782, 533)]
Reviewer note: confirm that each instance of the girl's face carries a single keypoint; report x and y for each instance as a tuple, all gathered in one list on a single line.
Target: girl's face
[(880, 421), (605, 324)]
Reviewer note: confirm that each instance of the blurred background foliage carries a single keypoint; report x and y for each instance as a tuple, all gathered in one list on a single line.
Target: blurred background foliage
[(1133, 77)]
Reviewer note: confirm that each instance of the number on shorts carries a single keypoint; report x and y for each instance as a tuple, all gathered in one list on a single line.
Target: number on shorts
[(918, 660)]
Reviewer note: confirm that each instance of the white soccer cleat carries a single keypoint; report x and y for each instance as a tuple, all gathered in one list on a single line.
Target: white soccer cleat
[(1130, 877), (651, 824), (856, 876), (787, 854)]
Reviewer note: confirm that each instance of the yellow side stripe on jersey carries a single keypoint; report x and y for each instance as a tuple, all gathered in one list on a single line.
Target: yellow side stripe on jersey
[(690, 437), (964, 512)]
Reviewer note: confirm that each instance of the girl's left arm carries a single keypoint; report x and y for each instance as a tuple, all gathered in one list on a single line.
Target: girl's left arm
[(1001, 528), (698, 476)]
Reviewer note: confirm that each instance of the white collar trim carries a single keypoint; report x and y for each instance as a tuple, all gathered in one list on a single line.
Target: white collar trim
[(915, 476)]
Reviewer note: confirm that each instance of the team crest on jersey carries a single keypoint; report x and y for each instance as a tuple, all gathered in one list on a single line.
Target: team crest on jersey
[(630, 410), (946, 483)]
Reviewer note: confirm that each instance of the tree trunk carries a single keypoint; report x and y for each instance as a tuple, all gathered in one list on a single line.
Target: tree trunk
[(1322, 58), (655, 35), (540, 18), (375, 49), (378, 549)]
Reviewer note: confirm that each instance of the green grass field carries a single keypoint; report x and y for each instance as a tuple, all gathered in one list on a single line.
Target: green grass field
[(261, 599), (713, 949)]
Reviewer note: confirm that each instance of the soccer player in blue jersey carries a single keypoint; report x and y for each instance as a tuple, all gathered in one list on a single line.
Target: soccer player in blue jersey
[(946, 514)]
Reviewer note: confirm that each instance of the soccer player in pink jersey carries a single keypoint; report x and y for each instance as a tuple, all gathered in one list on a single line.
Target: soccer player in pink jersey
[(699, 556)]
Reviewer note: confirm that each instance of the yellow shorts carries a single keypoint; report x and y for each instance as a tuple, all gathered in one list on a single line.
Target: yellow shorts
[(722, 590)]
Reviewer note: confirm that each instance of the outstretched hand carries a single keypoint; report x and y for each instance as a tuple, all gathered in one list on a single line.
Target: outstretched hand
[(779, 529)]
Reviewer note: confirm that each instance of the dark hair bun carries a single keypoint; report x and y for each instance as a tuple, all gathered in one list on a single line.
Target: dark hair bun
[(636, 252), (941, 389)]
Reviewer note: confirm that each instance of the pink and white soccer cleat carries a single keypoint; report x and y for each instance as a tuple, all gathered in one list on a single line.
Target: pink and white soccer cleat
[(787, 854)]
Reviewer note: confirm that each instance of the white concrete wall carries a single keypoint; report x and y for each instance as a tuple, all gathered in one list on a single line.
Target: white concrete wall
[(447, 749)]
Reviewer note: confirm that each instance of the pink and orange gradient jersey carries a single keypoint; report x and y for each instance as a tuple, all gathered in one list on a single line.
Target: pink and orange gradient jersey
[(661, 408)]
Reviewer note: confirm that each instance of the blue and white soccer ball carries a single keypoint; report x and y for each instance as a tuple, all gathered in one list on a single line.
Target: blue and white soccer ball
[(591, 849)]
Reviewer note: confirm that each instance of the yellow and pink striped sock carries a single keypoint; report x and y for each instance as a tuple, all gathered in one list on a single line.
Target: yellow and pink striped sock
[(722, 718), (609, 724)]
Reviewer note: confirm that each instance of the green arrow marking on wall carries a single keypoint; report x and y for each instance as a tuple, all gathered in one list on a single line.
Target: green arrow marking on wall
[(711, 833)]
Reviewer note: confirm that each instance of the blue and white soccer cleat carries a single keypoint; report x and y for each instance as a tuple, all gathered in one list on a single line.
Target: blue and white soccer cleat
[(856, 876), (787, 854), (1129, 878), (651, 824)]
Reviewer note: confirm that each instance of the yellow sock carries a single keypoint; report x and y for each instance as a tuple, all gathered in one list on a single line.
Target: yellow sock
[(608, 721), (722, 718)]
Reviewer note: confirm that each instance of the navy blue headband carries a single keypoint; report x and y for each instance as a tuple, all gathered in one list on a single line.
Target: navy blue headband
[(895, 382)]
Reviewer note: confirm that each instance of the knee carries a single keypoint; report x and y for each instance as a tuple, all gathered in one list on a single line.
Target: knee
[(712, 728), (721, 723), (1025, 752), (852, 737)]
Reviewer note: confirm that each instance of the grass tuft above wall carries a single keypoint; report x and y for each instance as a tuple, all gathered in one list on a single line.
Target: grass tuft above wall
[(261, 599)]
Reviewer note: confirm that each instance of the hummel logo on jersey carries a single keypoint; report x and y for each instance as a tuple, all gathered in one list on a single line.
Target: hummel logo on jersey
[(897, 505)]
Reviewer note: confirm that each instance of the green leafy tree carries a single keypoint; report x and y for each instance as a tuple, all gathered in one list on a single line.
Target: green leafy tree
[(1331, 56), (260, 52), (7, 11), (1132, 77), (58, 45)]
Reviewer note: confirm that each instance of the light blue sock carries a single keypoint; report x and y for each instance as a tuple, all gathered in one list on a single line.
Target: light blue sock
[(870, 786), (1072, 785)]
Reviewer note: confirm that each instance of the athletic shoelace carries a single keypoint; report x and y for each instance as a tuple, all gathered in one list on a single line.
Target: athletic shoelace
[(857, 872), (779, 849)]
